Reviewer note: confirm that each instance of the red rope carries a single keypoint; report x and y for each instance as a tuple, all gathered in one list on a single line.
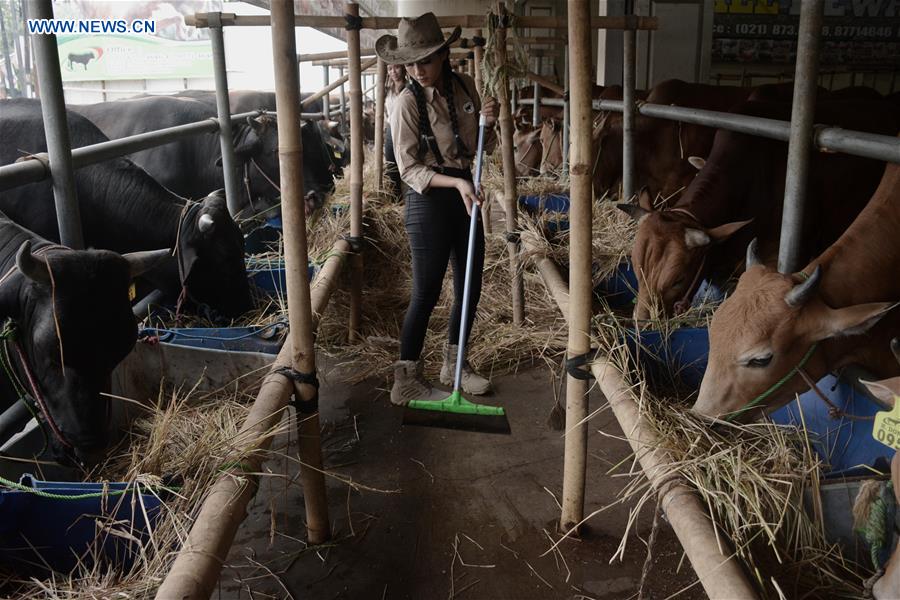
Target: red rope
[(40, 399)]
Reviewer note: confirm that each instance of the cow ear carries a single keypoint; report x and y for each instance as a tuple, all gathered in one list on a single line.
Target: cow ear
[(884, 390), (634, 211), (696, 238), (247, 140), (697, 162), (645, 200), (852, 320), (723, 232)]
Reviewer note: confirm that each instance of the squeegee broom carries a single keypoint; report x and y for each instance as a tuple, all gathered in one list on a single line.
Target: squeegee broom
[(455, 412)]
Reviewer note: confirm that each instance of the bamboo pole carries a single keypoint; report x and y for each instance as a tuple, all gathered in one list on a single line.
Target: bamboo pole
[(720, 573), (575, 463), (356, 176), (379, 123), (303, 356), (479, 55), (335, 84), (446, 22), (196, 570), (510, 196), (342, 62)]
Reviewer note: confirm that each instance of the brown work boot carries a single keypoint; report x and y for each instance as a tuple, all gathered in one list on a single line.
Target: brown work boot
[(472, 382), (410, 384)]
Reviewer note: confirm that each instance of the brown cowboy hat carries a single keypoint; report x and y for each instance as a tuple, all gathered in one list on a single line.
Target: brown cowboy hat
[(416, 39)]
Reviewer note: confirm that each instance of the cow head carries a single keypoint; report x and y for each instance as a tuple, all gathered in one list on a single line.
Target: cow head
[(256, 141), (668, 256), (319, 165), (212, 258), (606, 148), (551, 144), (74, 327), (771, 325), (527, 141)]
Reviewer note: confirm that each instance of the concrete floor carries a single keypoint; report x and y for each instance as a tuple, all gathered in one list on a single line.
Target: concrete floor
[(458, 514)]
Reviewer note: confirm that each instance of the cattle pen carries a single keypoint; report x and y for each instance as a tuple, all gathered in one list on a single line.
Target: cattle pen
[(197, 569)]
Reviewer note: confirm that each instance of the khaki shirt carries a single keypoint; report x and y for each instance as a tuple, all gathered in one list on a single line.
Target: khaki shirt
[(416, 172), (390, 100)]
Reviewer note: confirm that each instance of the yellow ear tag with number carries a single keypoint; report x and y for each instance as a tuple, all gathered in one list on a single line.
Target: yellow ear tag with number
[(887, 426), (132, 292)]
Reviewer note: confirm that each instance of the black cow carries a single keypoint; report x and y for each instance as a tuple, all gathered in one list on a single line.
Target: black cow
[(329, 140), (83, 58), (191, 166), (125, 210), (73, 325)]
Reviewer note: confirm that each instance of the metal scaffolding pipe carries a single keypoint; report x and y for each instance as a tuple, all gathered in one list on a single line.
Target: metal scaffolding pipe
[(566, 115), (628, 101), (536, 109), (580, 285), (834, 139), (31, 171), (223, 108), (326, 97), (343, 79), (56, 131), (379, 123), (446, 22), (335, 84), (800, 146)]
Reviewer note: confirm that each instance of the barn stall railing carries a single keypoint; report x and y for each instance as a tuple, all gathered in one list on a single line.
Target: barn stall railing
[(832, 139)]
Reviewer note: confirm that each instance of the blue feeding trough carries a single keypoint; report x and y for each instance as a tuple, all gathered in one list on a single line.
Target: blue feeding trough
[(278, 224), (619, 289), (273, 278), (549, 203), (267, 339), (846, 445), (51, 525)]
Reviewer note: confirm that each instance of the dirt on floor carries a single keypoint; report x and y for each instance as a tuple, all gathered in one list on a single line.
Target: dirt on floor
[(449, 514)]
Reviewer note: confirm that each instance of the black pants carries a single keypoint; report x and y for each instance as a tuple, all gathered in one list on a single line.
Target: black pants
[(438, 228), (391, 169)]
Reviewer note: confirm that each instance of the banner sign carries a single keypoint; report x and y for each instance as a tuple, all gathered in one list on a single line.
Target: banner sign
[(854, 32), (168, 50)]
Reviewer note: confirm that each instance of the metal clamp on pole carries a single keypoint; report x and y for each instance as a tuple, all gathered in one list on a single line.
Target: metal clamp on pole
[(579, 366), (40, 157)]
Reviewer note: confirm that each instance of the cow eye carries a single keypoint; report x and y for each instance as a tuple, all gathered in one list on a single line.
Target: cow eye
[(760, 361)]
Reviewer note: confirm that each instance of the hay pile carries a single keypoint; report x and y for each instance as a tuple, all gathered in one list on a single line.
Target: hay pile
[(752, 478), (181, 444)]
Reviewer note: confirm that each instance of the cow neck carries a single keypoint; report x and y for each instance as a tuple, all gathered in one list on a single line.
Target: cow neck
[(701, 202), (865, 252), (859, 268)]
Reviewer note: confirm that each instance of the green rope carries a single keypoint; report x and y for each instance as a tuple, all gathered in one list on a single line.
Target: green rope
[(516, 66), (877, 530), (762, 397), (42, 494)]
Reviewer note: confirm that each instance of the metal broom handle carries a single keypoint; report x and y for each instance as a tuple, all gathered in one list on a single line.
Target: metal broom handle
[(470, 255)]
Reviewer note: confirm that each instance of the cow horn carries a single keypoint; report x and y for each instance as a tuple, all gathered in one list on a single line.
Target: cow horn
[(752, 256), (205, 223), (633, 210), (895, 348), (141, 262), (31, 267), (801, 292)]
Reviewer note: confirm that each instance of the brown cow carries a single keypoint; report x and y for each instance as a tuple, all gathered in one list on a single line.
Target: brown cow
[(777, 326), (743, 181), (551, 146), (662, 147), (527, 142)]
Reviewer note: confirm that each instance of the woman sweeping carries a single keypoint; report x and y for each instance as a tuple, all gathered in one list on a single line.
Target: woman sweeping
[(434, 123), (395, 85)]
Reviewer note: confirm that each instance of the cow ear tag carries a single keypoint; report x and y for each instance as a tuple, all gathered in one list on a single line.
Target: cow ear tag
[(887, 426), (132, 292)]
